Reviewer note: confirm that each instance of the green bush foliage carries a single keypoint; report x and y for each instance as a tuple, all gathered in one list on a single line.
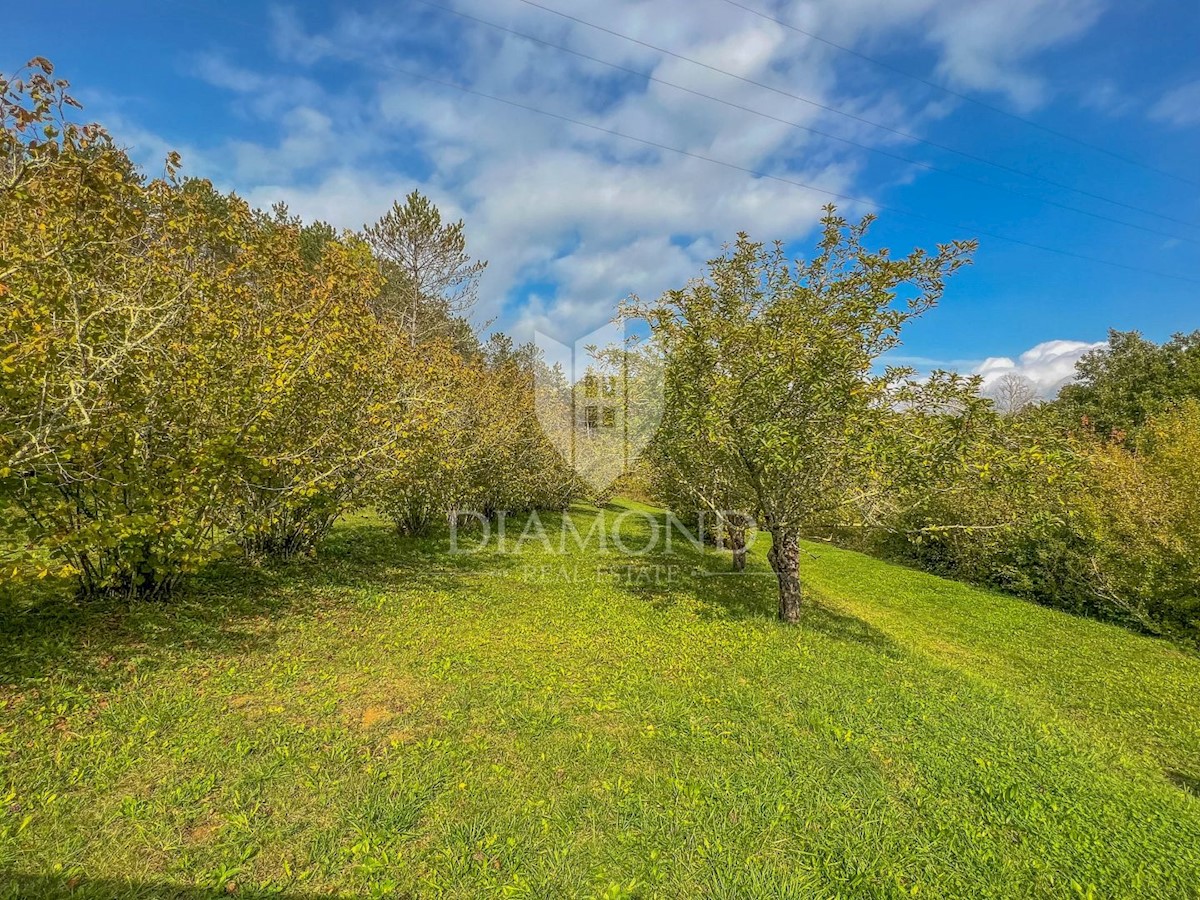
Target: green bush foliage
[(184, 375), (1142, 518), (1102, 527)]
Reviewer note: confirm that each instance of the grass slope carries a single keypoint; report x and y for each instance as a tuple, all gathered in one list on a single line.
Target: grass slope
[(389, 717)]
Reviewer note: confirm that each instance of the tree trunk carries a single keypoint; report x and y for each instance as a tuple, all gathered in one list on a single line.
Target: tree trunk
[(785, 561), (735, 531), (739, 552)]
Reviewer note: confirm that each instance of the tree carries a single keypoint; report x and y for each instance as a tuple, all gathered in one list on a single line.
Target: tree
[(690, 478), (91, 285), (180, 371), (1013, 394), (305, 384), (776, 369), (1122, 385), (431, 280)]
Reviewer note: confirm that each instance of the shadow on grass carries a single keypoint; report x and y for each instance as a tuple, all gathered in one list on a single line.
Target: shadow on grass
[(1184, 781), (52, 887), (233, 608), (705, 578), (230, 608)]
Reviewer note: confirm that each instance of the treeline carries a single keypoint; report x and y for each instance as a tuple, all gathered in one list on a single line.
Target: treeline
[(1090, 502), (182, 374), (780, 411)]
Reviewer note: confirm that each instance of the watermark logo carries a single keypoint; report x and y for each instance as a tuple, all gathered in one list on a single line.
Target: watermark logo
[(632, 547), (599, 401)]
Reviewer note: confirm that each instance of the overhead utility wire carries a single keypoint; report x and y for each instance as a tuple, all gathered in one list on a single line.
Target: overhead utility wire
[(961, 96), (825, 134), (598, 128), (853, 116), (758, 174)]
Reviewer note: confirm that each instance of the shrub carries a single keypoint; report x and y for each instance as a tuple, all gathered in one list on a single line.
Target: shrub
[(92, 284), (179, 369), (1143, 518), (1092, 526)]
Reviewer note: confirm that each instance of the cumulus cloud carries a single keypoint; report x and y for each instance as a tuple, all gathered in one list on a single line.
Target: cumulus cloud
[(985, 45), (1048, 365), (573, 219)]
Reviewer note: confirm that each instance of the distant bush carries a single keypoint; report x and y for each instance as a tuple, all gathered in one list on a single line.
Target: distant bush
[(1091, 526), (477, 447)]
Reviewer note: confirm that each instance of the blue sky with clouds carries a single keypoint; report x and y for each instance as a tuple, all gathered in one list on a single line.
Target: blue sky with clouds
[(320, 105)]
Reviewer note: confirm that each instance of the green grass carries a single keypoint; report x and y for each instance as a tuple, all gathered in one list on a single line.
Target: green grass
[(390, 718)]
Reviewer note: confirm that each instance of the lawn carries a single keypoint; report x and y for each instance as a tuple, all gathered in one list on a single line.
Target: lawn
[(388, 718)]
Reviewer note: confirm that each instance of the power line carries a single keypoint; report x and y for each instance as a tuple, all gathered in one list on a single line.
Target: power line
[(734, 166), (959, 95), (857, 118), (780, 178), (652, 78)]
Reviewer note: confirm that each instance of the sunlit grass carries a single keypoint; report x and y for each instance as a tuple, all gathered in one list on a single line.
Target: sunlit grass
[(388, 717)]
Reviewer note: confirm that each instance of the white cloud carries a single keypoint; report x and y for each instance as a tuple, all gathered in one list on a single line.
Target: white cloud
[(983, 45), (986, 44), (1180, 107), (1049, 365), (546, 201), (582, 216)]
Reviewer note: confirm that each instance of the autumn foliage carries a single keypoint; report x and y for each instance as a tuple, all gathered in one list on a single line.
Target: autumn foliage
[(185, 376)]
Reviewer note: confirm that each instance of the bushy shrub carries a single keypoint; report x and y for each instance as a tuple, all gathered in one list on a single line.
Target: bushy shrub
[(181, 373), (94, 280), (1142, 518), (1093, 526), (472, 444)]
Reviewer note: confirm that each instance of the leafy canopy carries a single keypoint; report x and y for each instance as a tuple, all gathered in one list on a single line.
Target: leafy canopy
[(773, 370)]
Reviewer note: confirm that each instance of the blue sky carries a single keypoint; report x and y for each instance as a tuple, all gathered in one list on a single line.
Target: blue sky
[(316, 104)]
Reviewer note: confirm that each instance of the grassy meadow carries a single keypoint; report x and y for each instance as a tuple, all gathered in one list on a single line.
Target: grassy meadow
[(390, 719)]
